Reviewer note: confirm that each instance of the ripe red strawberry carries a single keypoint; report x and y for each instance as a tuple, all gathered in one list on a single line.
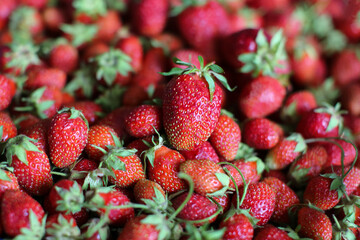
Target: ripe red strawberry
[(197, 208), (345, 67), (131, 45), (6, 92), (186, 55), (53, 18), (334, 153), (135, 95), (279, 174), (136, 229), (8, 181), (101, 136), (6, 8), (260, 199), (251, 168), (191, 105), (67, 137), (261, 133), (261, 97), (38, 131), (352, 179), (314, 224), (140, 144), (321, 122), (226, 137), (297, 104), (237, 226), (89, 109), (41, 77), (7, 127), (143, 121), (209, 178), (78, 172), (19, 210), (284, 199), (145, 189), (108, 25), (64, 57), (204, 151), (270, 232), (93, 49), (31, 165), (149, 23), (61, 226), (285, 152), (309, 165), (117, 216)]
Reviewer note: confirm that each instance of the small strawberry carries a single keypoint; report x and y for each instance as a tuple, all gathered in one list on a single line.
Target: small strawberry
[(334, 153), (60, 226), (321, 122), (6, 92), (285, 198), (297, 104), (204, 151), (138, 228), (226, 137), (189, 118), (107, 26), (67, 137), (8, 181), (131, 45), (19, 211), (270, 232), (31, 165), (149, 23), (143, 121), (145, 189), (285, 152), (261, 133), (262, 96), (64, 57), (237, 226), (314, 224), (186, 55), (260, 199), (345, 67), (53, 18), (41, 77), (7, 127)]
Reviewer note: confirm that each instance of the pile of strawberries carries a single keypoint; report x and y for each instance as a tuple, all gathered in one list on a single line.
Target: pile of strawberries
[(117, 121)]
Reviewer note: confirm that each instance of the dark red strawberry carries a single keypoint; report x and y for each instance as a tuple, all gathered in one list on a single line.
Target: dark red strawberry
[(261, 133), (345, 67), (8, 181), (25, 120), (186, 55), (6, 92), (314, 224), (270, 232), (89, 109), (334, 153), (131, 46), (64, 57), (204, 151), (137, 229), (7, 127), (297, 104), (41, 77), (67, 137), (80, 170), (237, 226)]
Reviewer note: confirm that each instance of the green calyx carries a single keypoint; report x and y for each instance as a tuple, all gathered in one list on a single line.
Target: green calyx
[(21, 21), (267, 57), (72, 199), (300, 142), (82, 80), (110, 98), (19, 146), (244, 151), (74, 113), (88, 32), (22, 55), (95, 9), (36, 231), (293, 234), (34, 105), (203, 232), (63, 229), (209, 72), (327, 92), (336, 119), (156, 143), (342, 228), (111, 63)]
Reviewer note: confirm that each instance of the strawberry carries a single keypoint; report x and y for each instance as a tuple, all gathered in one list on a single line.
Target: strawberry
[(260, 199), (351, 180), (334, 153), (140, 144), (314, 224), (143, 121), (149, 23), (134, 96), (41, 77), (270, 232), (186, 55), (67, 137), (297, 104), (261, 133), (189, 118), (308, 165), (19, 211), (107, 26), (99, 136), (197, 208), (321, 122), (64, 57), (26, 21), (131, 45), (108, 197), (6, 92), (89, 109), (226, 137), (53, 18), (279, 174), (137, 229), (261, 97), (93, 49), (81, 168), (145, 189), (38, 131), (237, 226), (31, 165), (7, 127), (285, 152), (8, 181), (6, 8), (345, 67), (285, 198), (204, 151), (61, 226), (25, 120)]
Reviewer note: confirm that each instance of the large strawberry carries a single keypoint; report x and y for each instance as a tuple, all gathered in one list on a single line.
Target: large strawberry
[(67, 137), (191, 104), (314, 224)]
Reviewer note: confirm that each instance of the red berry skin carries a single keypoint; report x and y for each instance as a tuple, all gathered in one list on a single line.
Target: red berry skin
[(99, 135), (144, 189), (40, 77), (15, 208), (261, 133), (134, 229), (270, 232), (334, 153), (226, 137), (8, 185), (85, 165), (237, 226), (262, 96), (197, 208), (247, 168), (204, 151), (345, 68), (143, 121), (304, 102), (260, 199), (132, 47), (8, 126), (188, 114), (187, 55), (314, 224), (89, 109), (38, 131), (282, 155), (67, 139), (6, 93), (64, 57)]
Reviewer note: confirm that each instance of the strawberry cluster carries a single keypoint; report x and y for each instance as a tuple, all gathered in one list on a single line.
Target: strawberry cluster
[(117, 121)]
